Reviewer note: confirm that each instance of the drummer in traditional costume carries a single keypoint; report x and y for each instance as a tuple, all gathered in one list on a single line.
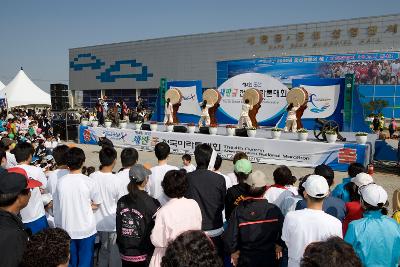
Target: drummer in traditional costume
[(205, 116), (297, 99), (168, 112), (244, 115), (291, 120)]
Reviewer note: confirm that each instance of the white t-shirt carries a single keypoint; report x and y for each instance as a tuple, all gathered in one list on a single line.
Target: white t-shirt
[(204, 111), (35, 209), (75, 194), (245, 110), (53, 178), (302, 227), (233, 177), (123, 177), (273, 193), (292, 114), (169, 109), (110, 189), (11, 161), (153, 187), (189, 168), (228, 181)]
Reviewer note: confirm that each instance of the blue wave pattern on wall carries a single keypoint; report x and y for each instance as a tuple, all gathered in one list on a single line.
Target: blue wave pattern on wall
[(96, 63), (142, 73), (108, 76)]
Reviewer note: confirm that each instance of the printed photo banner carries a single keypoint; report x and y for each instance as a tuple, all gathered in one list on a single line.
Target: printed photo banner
[(259, 150)]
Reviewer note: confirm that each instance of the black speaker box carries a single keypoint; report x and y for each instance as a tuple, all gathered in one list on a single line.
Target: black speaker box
[(180, 129), (146, 127), (204, 130), (241, 132)]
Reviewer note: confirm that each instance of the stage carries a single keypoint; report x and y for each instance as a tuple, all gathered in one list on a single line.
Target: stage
[(261, 149)]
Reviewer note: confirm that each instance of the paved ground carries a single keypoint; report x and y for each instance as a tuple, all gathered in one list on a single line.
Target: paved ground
[(390, 182)]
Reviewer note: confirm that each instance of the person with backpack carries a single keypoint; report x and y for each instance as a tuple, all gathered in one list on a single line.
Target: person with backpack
[(135, 220)]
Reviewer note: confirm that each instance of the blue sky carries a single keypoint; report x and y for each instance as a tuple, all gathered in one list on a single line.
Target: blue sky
[(37, 34)]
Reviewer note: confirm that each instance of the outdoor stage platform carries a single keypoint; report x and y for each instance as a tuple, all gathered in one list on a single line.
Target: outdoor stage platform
[(261, 148)]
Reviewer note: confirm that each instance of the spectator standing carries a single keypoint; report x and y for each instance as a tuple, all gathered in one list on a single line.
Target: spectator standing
[(14, 196), (154, 188), (78, 196), (353, 207), (392, 127), (178, 215), (8, 145), (217, 167), (238, 156), (331, 205), (208, 189), (110, 191), (254, 228), (302, 227), (376, 237), (33, 215), (282, 177), (129, 157), (60, 157), (340, 190), (135, 220)]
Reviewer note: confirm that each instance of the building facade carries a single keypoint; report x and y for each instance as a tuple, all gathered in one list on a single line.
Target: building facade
[(131, 69)]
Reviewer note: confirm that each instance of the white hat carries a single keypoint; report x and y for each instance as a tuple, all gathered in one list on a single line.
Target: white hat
[(362, 179), (46, 198), (256, 179), (316, 186), (374, 195)]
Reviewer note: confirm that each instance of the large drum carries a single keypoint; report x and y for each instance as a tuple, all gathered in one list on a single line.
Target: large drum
[(254, 96), (297, 96), (174, 95), (212, 96)]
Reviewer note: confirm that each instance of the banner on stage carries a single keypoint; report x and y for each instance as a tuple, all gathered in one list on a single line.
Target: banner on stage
[(259, 150), (322, 101)]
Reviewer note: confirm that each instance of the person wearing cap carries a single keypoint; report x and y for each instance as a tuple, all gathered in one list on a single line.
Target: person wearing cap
[(331, 205), (376, 237), (15, 191), (178, 215), (33, 215), (254, 227), (237, 193), (302, 227), (77, 197), (208, 189), (153, 187), (135, 219), (110, 191), (236, 157), (340, 191), (8, 144)]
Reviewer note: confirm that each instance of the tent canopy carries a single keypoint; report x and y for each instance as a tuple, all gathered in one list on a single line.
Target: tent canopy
[(2, 92), (21, 91)]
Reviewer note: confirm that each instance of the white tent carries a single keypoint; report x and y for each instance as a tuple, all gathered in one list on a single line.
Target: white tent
[(2, 92), (21, 91)]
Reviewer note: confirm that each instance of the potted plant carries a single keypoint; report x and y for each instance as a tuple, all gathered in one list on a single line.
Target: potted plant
[(123, 124), (230, 130), (84, 122), (251, 131), (331, 136), (95, 122), (170, 127), (191, 127), (213, 129), (276, 133), (153, 126), (361, 138), (302, 134), (138, 125), (107, 122)]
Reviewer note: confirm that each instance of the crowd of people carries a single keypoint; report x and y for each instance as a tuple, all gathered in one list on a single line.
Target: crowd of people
[(367, 72), (166, 215)]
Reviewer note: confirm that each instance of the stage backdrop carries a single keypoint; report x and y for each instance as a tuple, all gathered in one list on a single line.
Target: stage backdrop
[(260, 150)]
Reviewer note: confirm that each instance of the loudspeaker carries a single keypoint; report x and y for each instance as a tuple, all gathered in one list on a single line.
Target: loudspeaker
[(241, 132), (146, 127), (180, 129), (59, 96), (204, 130)]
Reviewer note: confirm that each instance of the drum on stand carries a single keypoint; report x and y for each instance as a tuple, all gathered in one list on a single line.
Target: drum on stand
[(297, 96), (255, 98), (213, 98)]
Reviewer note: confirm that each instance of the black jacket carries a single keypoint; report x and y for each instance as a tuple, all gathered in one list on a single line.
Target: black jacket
[(13, 239), (208, 189), (135, 221), (254, 228), (233, 198)]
